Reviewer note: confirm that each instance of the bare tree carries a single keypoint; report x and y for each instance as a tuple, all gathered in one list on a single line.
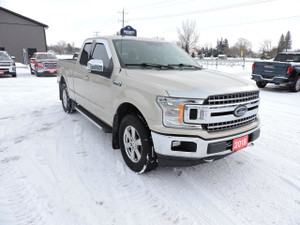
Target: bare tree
[(188, 36), (244, 45), (266, 46), (62, 45)]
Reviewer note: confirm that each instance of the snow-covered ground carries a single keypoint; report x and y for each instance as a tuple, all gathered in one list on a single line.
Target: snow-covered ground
[(58, 168)]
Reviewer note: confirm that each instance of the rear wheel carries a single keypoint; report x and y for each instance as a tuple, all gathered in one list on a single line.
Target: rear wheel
[(295, 87), (67, 103), (31, 70), (261, 84), (14, 74), (136, 144)]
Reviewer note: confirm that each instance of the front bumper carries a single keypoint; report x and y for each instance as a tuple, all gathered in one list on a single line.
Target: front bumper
[(274, 80), (46, 72), (195, 149), (7, 70)]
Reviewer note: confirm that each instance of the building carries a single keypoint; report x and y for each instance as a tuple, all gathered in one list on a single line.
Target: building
[(21, 36)]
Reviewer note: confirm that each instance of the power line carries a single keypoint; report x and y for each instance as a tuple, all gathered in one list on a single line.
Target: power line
[(231, 6), (161, 4), (250, 22)]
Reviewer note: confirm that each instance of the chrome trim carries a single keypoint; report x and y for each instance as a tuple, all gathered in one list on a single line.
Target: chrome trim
[(162, 145), (273, 78)]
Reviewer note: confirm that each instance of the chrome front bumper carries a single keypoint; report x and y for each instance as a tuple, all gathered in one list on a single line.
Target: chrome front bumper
[(203, 148)]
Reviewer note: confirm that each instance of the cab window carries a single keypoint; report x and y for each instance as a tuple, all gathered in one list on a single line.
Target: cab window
[(101, 53), (85, 54)]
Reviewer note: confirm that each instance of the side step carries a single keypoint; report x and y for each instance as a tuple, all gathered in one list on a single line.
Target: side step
[(96, 121)]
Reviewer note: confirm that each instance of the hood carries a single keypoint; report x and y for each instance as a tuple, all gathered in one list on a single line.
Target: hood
[(192, 83), (46, 60)]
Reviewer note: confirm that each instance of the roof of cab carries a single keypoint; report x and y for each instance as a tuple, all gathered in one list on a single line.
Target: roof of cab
[(118, 37)]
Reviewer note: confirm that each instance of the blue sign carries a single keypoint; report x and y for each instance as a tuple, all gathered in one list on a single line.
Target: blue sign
[(128, 31)]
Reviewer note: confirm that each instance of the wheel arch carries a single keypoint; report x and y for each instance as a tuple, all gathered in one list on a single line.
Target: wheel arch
[(123, 110)]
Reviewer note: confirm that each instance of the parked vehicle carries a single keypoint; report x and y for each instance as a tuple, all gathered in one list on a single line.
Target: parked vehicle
[(284, 70), (7, 64), (157, 102), (43, 63)]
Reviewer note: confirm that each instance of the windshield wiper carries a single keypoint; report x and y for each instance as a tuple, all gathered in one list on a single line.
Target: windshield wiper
[(181, 65), (160, 66)]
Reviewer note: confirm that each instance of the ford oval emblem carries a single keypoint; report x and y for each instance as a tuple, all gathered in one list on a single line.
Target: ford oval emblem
[(240, 111)]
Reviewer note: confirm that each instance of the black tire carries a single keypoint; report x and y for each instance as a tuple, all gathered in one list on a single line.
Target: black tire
[(139, 152), (31, 70), (67, 103), (14, 74), (295, 87), (261, 84)]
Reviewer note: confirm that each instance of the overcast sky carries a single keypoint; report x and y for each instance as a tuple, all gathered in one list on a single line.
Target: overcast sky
[(76, 20)]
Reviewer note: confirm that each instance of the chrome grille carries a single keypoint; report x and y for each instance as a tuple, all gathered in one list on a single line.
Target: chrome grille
[(50, 65), (5, 64), (229, 124), (232, 98)]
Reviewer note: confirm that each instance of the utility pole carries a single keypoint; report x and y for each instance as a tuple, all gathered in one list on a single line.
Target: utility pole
[(123, 17), (96, 33)]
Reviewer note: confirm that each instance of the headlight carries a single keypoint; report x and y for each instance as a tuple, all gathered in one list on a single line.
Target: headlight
[(174, 109)]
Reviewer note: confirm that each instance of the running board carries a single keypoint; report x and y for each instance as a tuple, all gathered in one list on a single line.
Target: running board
[(96, 121)]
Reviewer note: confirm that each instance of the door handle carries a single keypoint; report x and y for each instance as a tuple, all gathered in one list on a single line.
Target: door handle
[(86, 78)]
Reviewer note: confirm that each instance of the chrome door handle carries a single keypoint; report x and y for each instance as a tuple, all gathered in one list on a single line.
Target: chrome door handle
[(86, 78)]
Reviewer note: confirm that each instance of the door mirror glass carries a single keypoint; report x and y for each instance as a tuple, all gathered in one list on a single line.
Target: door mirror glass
[(32, 59), (95, 65)]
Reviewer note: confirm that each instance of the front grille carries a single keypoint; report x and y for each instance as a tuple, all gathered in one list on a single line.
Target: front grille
[(50, 65), (5, 64), (232, 98), (229, 124)]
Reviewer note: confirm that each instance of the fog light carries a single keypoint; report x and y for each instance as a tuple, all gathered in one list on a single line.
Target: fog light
[(183, 146)]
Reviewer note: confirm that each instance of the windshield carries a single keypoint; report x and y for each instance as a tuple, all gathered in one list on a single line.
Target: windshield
[(45, 56), (149, 53), (287, 58), (4, 56)]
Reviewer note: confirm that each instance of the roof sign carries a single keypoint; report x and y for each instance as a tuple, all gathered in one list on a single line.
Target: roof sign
[(128, 31)]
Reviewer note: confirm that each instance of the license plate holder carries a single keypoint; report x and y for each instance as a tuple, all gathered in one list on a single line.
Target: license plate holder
[(240, 143)]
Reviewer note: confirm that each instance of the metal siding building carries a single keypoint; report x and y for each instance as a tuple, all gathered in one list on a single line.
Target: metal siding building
[(21, 36)]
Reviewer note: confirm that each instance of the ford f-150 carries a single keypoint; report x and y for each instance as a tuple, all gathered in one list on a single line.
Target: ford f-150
[(159, 104)]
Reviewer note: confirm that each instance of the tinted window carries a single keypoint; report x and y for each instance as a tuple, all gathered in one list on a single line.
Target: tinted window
[(288, 58), (101, 53), (85, 54)]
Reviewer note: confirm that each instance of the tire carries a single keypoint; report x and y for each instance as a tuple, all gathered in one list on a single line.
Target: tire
[(261, 84), (67, 103), (295, 87), (31, 71), (14, 74), (136, 144)]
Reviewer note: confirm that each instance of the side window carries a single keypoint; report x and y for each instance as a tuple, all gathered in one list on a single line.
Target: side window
[(85, 54), (101, 53)]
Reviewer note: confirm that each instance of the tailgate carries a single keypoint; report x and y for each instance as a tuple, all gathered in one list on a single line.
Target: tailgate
[(271, 69)]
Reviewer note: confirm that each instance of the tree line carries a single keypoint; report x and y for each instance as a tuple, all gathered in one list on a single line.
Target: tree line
[(62, 47), (188, 38)]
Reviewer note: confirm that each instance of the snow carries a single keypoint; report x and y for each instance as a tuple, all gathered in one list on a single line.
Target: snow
[(58, 168)]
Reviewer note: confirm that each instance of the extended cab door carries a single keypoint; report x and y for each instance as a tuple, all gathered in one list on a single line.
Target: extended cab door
[(96, 88)]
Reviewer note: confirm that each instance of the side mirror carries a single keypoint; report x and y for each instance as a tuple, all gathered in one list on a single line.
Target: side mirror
[(12, 57), (32, 59), (95, 66)]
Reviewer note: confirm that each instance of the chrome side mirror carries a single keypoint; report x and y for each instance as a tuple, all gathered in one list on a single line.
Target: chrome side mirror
[(95, 66)]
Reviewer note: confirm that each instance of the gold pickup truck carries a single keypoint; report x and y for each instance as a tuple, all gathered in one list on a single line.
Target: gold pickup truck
[(161, 107)]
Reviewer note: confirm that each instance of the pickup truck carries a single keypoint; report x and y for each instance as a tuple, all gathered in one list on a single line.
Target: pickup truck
[(43, 63), (7, 64), (159, 104), (284, 70)]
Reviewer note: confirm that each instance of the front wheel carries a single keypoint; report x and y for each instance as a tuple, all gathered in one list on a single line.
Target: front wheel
[(136, 144), (295, 87), (261, 84)]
